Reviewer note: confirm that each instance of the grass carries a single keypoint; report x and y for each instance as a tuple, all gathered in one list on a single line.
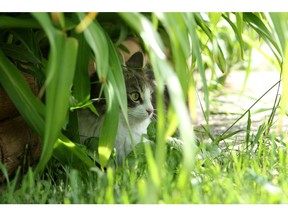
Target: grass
[(163, 171), (254, 173)]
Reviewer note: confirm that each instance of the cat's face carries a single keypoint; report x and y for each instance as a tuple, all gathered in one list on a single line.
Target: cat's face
[(139, 89)]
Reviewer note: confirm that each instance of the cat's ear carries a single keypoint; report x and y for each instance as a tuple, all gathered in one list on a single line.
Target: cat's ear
[(136, 60)]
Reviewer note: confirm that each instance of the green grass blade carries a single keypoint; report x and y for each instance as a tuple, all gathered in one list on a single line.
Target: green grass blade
[(13, 22), (81, 84), (18, 53), (218, 55), (238, 34), (96, 39), (280, 24), (109, 127), (284, 96), (248, 129), (60, 74), (114, 86), (115, 94), (62, 61), (257, 24), (175, 26), (27, 38), (191, 25), (29, 106), (164, 73), (72, 154), (117, 79), (214, 19), (279, 21)]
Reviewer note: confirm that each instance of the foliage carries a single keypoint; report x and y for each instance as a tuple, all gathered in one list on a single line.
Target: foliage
[(56, 49), (257, 174)]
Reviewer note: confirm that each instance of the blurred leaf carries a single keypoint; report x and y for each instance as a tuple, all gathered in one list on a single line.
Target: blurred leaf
[(27, 38), (217, 52), (115, 76), (18, 53), (13, 22), (165, 74), (30, 107), (239, 22), (72, 154), (114, 86), (257, 24), (58, 92), (238, 34), (81, 83), (96, 39), (280, 24), (60, 73), (175, 26), (214, 19), (58, 19), (248, 129), (191, 25), (109, 127), (115, 94), (284, 96)]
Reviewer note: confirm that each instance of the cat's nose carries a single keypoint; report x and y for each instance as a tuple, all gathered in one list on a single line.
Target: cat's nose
[(149, 111)]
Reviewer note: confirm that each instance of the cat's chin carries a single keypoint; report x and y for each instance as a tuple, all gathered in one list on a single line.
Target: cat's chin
[(139, 119)]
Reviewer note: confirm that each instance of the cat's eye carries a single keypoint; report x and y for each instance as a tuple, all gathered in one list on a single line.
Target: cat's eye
[(134, 96)]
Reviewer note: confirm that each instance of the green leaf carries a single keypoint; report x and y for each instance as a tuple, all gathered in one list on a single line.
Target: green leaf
[(238, 34), (72, 154), (58, 92), (257, 24), (114, 86), (280, 25), (115, 76), (13, 22), (109, 127), (174, 23), (164, 73), (214, 19), (27, 38), (217, 52), (18, 53), (81, 84), (96, 39), (60, 74), (29, 106), (115, 94), (279, 21), (191, 25)]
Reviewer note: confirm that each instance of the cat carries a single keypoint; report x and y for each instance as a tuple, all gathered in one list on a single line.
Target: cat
[(140, 86)]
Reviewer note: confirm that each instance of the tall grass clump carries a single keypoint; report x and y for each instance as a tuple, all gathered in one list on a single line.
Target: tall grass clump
[(57, 48)]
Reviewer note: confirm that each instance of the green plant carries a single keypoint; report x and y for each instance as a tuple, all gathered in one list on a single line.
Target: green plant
[(57, 47)]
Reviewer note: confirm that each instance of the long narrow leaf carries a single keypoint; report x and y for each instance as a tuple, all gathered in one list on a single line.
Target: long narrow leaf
[(81, 84), (164, 73), (263, 31), (70, 153), (60, 73), (191, 25), (29, 106), (96, 39), (13, 22), (238, 34), (58, 92)]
